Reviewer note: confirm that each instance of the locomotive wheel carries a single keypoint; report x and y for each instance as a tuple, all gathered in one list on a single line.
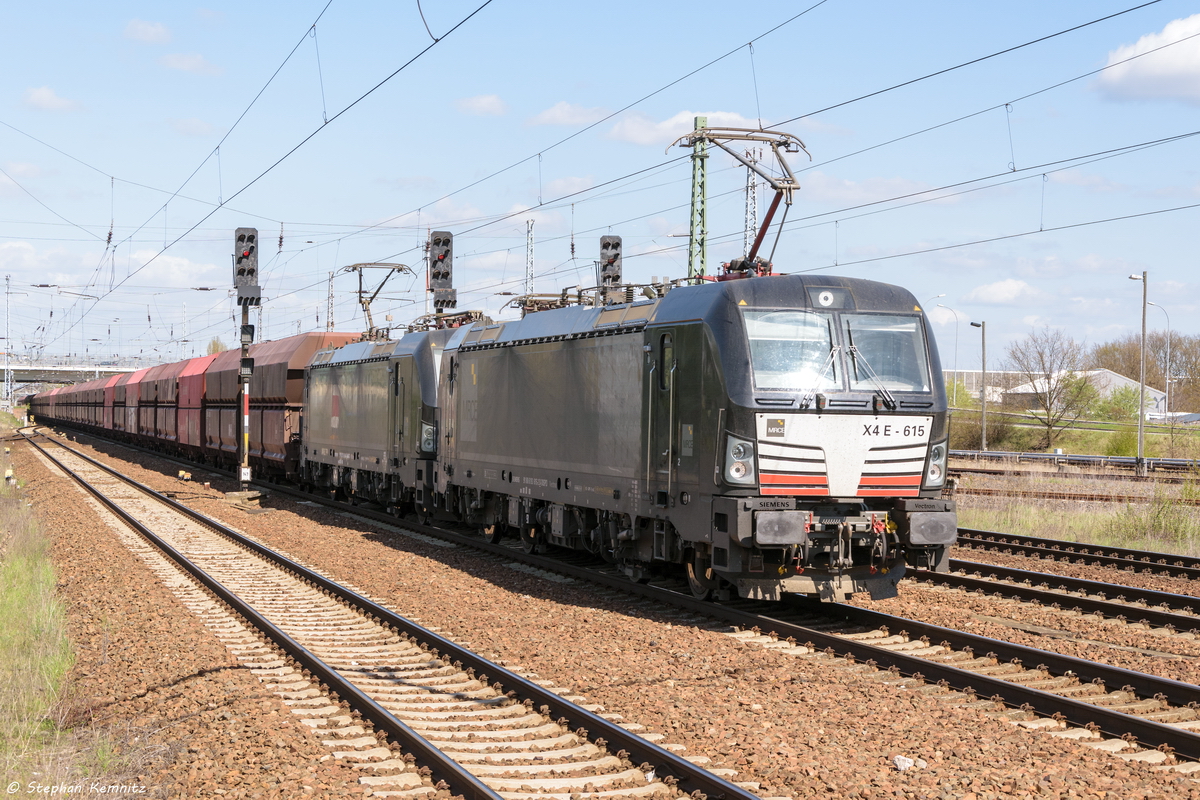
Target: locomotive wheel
[(493, 533), (701, 577), (529, 538), (637, 572)]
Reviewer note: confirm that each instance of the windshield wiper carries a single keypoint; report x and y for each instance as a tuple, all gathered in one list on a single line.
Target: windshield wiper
[(807, 398), (888, 400)]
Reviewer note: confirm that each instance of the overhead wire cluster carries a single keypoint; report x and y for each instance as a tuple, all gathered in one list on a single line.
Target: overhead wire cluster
[(598, 191)]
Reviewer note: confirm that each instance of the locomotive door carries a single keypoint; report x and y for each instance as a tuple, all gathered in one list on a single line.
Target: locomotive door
[(401, 411), (661, 380)]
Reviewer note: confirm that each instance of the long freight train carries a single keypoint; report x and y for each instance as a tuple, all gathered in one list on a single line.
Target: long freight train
[(782, 434)]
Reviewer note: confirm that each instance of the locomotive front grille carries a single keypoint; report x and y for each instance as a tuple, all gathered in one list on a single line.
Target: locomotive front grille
[(829, 455)]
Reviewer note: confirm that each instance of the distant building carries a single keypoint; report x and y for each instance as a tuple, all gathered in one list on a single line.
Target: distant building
[(1024, 396), (998, 382)]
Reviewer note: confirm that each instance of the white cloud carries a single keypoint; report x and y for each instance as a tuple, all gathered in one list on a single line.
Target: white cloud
[(483, 105), (1172, 73), (173, 271), (8, 188), (641, 129), (1091, 183), (191, 126), (190, 62), (1006, 292), (45, 99), (663, 226), (20, 258), (564, 113), (22, 169), (941, 316), (30, 264), (822, 188), (148, 32), (560, 187)]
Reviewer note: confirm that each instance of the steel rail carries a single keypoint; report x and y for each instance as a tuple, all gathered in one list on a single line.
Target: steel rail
[(1041, 586), (958, 470), (455, 776), (1076, 712), (690, 777), (1111, 723), (1059, 550), (1079, 497), (1120, 462)]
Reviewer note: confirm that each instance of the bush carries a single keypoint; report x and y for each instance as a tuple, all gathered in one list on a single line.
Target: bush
[(1161, 524), (1121, 442), (1001, 433)]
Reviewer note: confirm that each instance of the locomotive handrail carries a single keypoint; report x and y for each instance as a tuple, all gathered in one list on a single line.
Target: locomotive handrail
[(671, 429), (650, 422)]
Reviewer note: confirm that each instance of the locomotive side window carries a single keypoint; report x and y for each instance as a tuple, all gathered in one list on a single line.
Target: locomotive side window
[(792, 350), (892, 346), (667, 353)]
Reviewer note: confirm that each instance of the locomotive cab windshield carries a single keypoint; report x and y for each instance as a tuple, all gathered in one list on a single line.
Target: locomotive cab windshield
[(799, 350)]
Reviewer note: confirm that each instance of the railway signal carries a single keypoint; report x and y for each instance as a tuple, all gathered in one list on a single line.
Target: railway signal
[(441, 270), (245, 280), (610, 260), (245, 266)]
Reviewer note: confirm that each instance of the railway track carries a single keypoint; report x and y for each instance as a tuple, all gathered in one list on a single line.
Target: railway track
[(1070, 696), (1118, 477), (1073, 552), (463, 723), (1129, 463), (1170, 612), (1086, 497)]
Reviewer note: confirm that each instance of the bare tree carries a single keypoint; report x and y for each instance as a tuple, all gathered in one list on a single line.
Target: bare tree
[(216, 346), (1121, 356), (1050, 361)]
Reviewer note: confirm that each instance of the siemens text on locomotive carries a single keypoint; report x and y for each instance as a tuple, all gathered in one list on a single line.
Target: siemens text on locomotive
[(772, 435)]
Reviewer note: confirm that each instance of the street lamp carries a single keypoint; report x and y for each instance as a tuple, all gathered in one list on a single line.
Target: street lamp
[(983, 392), (1141, 453), (955, 313), (1168, 380)]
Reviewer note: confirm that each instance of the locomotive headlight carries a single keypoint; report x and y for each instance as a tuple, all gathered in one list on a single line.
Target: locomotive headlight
[(935, 474), (739, 461), (428, 439)]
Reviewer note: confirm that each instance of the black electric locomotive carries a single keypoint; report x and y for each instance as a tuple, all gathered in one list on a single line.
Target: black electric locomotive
[(767, 435)]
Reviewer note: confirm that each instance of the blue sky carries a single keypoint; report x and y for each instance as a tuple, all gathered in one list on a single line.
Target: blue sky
[(111, 113)]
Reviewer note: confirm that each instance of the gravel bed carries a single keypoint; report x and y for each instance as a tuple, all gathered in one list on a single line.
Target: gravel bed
[(1141, 580), (1081, 635), (184, 717), (797, 726)]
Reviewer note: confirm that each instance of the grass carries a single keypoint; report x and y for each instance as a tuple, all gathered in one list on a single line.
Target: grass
[(1013, 433), (35, 653), (47, 735), (1161, 523)]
